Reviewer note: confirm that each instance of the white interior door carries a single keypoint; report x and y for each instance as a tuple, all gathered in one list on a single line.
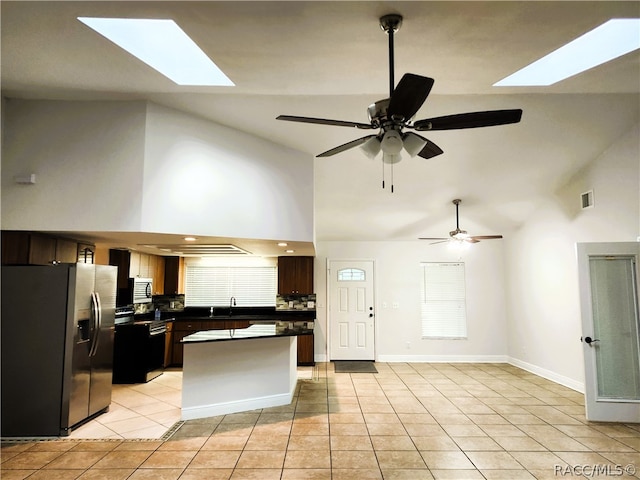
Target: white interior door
[(610, 330), (351, 310)]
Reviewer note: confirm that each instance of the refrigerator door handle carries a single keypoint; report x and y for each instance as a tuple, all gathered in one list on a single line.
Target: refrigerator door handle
[(97, 322)]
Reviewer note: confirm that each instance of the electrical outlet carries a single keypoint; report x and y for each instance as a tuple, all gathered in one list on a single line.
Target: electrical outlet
[(384, 305), (396, 305), (408, 345)]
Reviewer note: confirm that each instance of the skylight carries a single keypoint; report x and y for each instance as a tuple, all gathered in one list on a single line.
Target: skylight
[(162, 45), (610, 40)]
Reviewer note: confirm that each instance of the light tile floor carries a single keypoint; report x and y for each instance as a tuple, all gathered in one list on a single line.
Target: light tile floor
[(145, 410), (410, 421)]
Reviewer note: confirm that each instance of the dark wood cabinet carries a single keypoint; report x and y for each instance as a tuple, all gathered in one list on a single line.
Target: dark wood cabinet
[(15, 248), (171, 275), (305, 350), (32, 248), (121, 259), (295, 275)]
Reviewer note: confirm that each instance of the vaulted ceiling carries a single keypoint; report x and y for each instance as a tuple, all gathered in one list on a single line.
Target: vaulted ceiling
[(329, 59)]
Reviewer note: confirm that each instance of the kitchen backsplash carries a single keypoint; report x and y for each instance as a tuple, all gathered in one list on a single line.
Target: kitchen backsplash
[(169, 303), (296, 302)]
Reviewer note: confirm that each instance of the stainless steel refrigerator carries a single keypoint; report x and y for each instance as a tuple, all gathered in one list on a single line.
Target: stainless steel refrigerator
[(57, 329)]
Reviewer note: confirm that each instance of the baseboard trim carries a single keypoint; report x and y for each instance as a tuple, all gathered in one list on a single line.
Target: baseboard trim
[(443, 358), (548, 374), (203, 411)]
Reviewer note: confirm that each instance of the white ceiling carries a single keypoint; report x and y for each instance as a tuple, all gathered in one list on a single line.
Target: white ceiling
[(329, 59)]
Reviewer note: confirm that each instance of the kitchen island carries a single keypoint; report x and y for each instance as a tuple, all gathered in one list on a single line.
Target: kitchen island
[(236, 370)]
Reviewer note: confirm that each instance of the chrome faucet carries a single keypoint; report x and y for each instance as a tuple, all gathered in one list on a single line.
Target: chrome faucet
[(232, 303), (211, 312)]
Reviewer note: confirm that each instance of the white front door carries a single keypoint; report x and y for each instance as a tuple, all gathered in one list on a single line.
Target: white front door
[(610, 330), (351, 310)]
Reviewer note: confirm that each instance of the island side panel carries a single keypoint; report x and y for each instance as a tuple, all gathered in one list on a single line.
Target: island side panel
[(237, 375)]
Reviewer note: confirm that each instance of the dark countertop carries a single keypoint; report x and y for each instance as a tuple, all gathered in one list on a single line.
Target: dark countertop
[(201, 314), (262, 330)]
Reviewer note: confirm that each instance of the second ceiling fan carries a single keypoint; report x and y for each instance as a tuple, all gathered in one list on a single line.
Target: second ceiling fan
[(392, 115), (460, 235)]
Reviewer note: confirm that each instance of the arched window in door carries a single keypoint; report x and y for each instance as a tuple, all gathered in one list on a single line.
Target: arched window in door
[(351, 275)]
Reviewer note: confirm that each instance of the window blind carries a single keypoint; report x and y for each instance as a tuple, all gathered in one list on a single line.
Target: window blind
[(207, 285), (443, 309)]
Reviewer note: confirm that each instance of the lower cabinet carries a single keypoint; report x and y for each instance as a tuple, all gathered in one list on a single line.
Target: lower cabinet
[(305, 350)]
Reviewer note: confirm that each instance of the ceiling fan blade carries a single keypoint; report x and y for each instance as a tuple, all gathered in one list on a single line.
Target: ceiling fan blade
[(346, 146), (324, 121), (430, 150), (485, 237), (433, 238), (470, 120), (409, 95)]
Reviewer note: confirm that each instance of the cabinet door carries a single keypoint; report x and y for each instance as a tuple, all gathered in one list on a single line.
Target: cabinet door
[(305, 350), (295, 275), (42, 249), (178, 349), (304, 274), (66, 251), (134, 265), (15, 248), (171, 272), (286, 269), (158, 274), (121, 259)]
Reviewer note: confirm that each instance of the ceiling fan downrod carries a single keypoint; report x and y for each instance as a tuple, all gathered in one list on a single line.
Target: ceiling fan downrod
[(391, 24), (456, 202)]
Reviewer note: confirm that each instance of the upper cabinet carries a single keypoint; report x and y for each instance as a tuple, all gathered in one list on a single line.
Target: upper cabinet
[(31, 248), (136, 264), (295, 275)]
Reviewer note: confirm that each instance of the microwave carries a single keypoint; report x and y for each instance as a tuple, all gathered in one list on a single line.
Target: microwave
[(141, 289)]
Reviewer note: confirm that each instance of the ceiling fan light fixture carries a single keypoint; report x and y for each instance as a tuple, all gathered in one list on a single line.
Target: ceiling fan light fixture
[(371, 147), (391, 143), (413, 143), (459, 234), (390, 158)]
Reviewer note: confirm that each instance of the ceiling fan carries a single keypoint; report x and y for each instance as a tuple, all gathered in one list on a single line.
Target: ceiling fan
[(460, 235), (391, 115)]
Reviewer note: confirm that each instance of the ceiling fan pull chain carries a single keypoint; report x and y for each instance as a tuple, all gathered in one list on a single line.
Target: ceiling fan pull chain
[(392, 178)]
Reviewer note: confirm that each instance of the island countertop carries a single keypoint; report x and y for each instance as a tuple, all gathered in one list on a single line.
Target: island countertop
[(257, 330)]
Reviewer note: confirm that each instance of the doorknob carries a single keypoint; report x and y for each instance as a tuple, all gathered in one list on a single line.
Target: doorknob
[(589, 340)]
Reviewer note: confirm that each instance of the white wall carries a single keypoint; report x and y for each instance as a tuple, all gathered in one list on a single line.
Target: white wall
[(88, 161), (542, 278), (398, 279), (205, 178), (139, 167)]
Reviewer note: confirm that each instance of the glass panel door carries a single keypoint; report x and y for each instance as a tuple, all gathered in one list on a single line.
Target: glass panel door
[(615, 327)]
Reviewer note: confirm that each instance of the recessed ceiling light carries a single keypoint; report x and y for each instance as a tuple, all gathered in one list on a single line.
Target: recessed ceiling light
[(190, 239), (610, 40), (289, 251), (282, 244), (164, 46)]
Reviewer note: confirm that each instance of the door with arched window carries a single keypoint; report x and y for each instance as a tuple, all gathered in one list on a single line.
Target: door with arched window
[(351, 310)]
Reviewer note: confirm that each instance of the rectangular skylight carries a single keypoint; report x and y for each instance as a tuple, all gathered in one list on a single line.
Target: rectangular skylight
[(610, 40), (162, 45)]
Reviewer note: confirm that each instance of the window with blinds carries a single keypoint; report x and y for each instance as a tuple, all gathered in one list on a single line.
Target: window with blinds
[(443, 309), (252, 286)]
